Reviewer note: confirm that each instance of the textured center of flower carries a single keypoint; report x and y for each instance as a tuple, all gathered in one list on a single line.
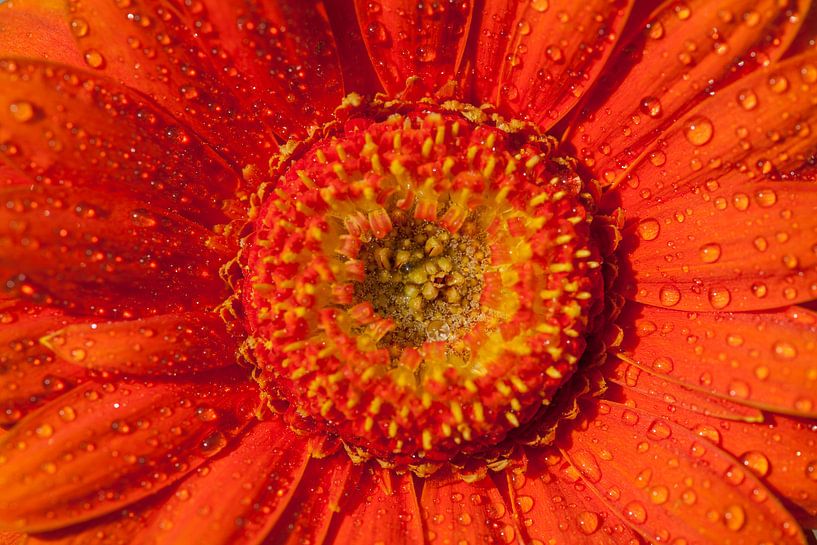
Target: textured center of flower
[(425, 278), (419, 281)]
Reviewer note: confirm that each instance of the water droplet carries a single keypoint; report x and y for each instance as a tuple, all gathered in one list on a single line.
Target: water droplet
[(540, 5), (79, 27), (658, 158), (757, 462), (44, 431), (426, 54), (635, 512), (656, 30), (651, 106), (699, 131), (711, 252), (747, 99), (588, 522), (22, 111), (629, 417), (67, 413), (587, 465), (213, 443), (659, 494), (94, 59), (784, 350), (688, 496), (682, 11), (525, 503), (669, 295), (811, 470), (649, 229), (808, 72), (663, 365), (778, 83), (659, 430), (766, 197), (739, 389), (78, 354), (719, 297), (735, 517)]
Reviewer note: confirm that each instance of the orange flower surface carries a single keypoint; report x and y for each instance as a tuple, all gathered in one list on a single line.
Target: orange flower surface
[(461, 272)]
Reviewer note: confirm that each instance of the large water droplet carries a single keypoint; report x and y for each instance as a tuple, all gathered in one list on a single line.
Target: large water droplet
[(699, 130), (588, 522), (22, 111), (635, 512)]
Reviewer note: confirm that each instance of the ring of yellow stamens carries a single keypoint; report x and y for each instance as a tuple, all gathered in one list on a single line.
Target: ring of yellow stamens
[(419, 284)]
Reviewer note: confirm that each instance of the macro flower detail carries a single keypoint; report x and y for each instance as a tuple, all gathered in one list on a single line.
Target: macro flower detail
[(341, 271)]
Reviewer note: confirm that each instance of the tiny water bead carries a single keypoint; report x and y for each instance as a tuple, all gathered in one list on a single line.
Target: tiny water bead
[(420, 280)]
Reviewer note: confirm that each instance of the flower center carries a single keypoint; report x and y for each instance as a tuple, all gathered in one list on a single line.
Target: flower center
[(419, 280)]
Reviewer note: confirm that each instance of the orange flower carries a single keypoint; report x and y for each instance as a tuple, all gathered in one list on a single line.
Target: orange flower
[(404, 272)]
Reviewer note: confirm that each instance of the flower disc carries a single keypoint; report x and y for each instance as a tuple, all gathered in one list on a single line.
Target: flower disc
[(419, 280)]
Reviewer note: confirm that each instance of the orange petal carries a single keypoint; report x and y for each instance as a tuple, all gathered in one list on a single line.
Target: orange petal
[(63, 126), (780, 451), (8, 538), (103, 254), (383, 509), (29, 374), (221, 67), (768, 361), (634, 378), (760, 127), (309, 513), (166, 345), (550, 500), (101, 447), (536, 59), (240, 495), (476, 512), (736, 247), (407, 39), (687, 51), (668, 484), (117, 528), (37, 29)]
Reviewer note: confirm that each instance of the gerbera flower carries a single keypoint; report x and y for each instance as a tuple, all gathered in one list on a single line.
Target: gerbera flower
[(401, 272)]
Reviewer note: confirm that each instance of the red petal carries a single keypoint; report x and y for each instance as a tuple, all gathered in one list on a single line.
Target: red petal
[(407, 39), (358, 74), (221, 67), (29, 374), (103, 254), (237, 498), (101, 447), (64, 127), (454, 510), (309, 513), (550, 500), (166, 345), (12, 538), (780, 450), (383, 509), (36, 29), (742, 247), (666, 483), (537, 59), (759, 127), (634, 378), (762, 360), (687, 51)]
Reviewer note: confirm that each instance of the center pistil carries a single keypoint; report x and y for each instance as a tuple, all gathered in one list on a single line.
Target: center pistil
[(426, 279)]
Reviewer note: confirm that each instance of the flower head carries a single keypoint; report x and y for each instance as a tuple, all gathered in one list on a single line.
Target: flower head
[(446, 272)]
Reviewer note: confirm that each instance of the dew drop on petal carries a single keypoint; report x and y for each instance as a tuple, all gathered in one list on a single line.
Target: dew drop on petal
[(588, 466), (648, 229), (540, 5), (669, 295), (659, 430), (94, 58), (213, 443), (635, 512), (747, 99), (735, 517), (651, 106), (757, 462), (79, 27), (22, 111), (719, 297), (710, 253), (766, 197), (659, 494), (663, 365), (67, 413), (784, 350), (811, 470), (588, 522), (699, 131)]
